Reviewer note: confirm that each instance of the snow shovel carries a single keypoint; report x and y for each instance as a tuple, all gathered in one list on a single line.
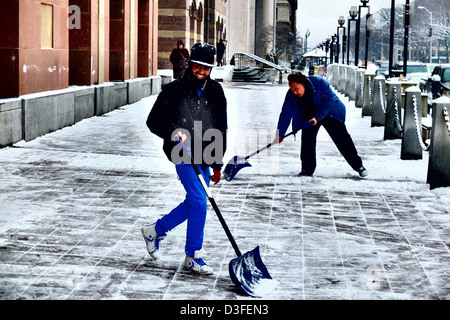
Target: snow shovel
[(247, 271), (237, 163)]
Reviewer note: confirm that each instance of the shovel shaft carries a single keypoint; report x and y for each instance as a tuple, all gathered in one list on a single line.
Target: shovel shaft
[(266, 147), (216, 209)]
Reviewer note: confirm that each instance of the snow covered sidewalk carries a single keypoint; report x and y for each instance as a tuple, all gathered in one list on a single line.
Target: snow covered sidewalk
[(72, 203)]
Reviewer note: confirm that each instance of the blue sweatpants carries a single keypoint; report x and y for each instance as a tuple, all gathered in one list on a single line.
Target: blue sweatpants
[(193, 208)]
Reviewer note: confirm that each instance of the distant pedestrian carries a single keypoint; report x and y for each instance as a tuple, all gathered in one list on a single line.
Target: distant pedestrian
[(179, 59), (311, 103), (192, 109), (220, 52)]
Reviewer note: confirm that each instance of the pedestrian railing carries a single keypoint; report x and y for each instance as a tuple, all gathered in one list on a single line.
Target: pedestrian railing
[(385, 101), (244, 59)]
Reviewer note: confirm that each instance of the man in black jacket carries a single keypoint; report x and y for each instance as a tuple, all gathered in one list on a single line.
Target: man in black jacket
[(193, 110)]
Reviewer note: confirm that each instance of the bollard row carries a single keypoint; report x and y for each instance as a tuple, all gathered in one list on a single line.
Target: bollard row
[(385, 101)]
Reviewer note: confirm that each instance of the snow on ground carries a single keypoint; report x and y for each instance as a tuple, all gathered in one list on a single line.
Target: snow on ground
[(101, 179)]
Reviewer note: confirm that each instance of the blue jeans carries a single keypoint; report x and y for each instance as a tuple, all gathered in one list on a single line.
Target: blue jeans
[(193, 208)]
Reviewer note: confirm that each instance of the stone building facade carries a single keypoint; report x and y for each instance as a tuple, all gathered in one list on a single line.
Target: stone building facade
[(191, 21), (52, 44)]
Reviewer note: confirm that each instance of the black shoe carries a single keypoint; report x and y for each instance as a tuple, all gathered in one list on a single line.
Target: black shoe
[(305, 173), (362, 172)]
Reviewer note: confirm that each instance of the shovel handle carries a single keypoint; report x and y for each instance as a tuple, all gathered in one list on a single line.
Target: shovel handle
[(216, 209), (213, 202), (267, 147)]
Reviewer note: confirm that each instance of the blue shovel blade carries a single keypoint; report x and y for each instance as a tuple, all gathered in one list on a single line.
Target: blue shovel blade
[(233, 166), (247, 272)]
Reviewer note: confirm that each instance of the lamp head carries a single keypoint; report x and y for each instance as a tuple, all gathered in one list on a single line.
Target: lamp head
[(353, 12)]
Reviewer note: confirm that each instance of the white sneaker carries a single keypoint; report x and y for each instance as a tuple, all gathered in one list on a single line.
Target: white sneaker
[(152, 239), (197, 265)]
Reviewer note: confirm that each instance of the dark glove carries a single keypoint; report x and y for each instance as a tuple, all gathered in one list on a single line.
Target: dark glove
[(216, 176)]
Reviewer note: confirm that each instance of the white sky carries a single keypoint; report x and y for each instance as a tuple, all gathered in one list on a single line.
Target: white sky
[(321, 16)]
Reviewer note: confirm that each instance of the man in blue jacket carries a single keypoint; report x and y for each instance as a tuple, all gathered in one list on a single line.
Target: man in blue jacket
[(309, 104)]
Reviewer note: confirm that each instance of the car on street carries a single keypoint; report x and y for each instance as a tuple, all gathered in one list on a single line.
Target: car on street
[(415, 70), (383, 68), (438, 84)]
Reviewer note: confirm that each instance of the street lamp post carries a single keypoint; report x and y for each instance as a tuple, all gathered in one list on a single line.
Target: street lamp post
[(391, 38), (341, 22), (369, 18), (307, 34), (327, 46), (407, 21), (353, 13), (332, 48), (431, 38), (358, 27)]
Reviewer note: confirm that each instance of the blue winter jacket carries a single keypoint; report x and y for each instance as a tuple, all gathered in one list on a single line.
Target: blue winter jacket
[(325, 101)]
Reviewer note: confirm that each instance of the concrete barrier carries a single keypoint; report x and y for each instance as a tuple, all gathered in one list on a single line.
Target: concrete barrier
[(30, 116), (104, 99), (439, 159), (393, 121), (379, 102), (47, 112), (142, 87), (352, 83), (134, 90), (156, 85), (120, 97), (359, 93), (10, 121), (165, 80), (411, 148), (84, 103), (367, 109)]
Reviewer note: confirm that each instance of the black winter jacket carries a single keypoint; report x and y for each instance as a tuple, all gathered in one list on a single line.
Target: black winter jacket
[(178, 106)]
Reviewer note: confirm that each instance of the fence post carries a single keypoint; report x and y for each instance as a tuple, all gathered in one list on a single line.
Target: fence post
[(439, 160), (393, 122), (367, 109), (411, 149), (379, 102)]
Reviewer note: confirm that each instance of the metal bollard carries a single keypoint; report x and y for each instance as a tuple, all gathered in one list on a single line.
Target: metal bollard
[(359, 88), (379, 102), (393, 122), (411, 148), (439, 160), (367, 109)]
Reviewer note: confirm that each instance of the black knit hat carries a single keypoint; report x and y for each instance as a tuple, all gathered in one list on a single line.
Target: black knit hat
[(298, 78), (203, 53)]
